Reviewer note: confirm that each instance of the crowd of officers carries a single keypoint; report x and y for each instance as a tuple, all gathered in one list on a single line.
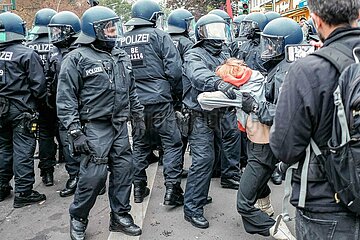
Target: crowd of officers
[(74, 85)]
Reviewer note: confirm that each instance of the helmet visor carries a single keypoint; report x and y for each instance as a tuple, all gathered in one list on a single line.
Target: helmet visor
[(58, 33), (246, 27), (271, 47), (160, 21), (190, 23), (214, 31), (108, 30)]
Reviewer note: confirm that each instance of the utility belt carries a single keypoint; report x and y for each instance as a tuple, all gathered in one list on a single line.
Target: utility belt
[(186, 118)]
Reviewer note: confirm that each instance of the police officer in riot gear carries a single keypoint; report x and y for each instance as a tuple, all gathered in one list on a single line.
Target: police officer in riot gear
[(236, 25), (95, 99), (275, 36), (22, 86), (64, 28), (251, 27), (157, 69), (199, 70), (227, 160), (47, 113), (180, 23)]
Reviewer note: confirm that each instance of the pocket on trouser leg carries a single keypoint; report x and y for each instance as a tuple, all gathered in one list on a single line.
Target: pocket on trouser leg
[(309, 228)]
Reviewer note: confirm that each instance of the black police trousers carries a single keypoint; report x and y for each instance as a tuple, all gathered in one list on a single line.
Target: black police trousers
[(231, 137), (205, 131), (111, 150), (17, 147), (72, 163), (253, 186), (160, 117), (48, 130)]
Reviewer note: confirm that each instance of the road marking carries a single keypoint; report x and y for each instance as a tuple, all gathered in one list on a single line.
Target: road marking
[(138, 210)]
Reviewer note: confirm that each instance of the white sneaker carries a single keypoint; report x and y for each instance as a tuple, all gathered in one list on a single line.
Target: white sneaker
[(264, 205), (280, 230)]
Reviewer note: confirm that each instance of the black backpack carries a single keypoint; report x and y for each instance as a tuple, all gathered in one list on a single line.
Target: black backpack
[(342, 166)]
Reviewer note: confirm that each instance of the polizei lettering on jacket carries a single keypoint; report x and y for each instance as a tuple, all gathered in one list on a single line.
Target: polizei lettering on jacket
[(41, 48), (135, 39), (6, 56), (92, 71)]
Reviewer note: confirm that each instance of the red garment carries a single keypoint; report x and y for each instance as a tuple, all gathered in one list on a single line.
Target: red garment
[(240, 79)]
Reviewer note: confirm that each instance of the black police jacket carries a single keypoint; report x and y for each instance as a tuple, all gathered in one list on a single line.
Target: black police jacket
[(96, 85), (42, 46), (183, 44), (22, 78), (236, 47), (156, 63), (305, 110), (52, 70), (199, 74)]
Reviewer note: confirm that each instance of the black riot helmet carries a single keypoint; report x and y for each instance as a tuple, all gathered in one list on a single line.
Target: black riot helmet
[(271, 16), (64, 27), (180, 21), (41, 21), (254, 22), (236, 24), (221, 13), (146, 13), (99, 23), (12, 27), (276, 35), (211, 26)]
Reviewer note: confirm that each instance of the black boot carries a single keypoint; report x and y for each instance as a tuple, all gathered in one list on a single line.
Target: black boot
[(77, 228), (184, 173), (140, 191), (232, 183), (5, 192), (70, 187), (28, 198), (173, 195), (47, 177), (276, 177), (124, 223), (152, 158)]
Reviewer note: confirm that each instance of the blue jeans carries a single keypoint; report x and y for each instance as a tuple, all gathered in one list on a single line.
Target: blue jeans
[(322, 226)]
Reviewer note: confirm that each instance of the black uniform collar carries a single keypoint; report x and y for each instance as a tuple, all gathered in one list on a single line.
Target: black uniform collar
[(342, 32)]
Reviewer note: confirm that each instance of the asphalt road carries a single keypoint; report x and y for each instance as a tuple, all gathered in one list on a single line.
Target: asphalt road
[(50, 220)]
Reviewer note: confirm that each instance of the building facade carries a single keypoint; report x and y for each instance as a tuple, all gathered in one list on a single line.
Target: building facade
[(295, 9)]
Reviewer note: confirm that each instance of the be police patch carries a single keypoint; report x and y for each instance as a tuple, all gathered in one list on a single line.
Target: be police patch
[(137, 55)]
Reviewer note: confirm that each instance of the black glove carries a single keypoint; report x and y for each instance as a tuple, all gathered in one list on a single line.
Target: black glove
[(79, 142), (138, 128), (226, 88), (249, 104)]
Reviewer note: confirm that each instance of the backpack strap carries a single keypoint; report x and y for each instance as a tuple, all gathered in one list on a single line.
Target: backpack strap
[(338, 54), (303, 182), (341, 115)]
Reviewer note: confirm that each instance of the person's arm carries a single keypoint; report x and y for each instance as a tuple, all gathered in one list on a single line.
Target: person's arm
[(36, 75), (171, 61), (202, 78), (291, 131), (68, 92)]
